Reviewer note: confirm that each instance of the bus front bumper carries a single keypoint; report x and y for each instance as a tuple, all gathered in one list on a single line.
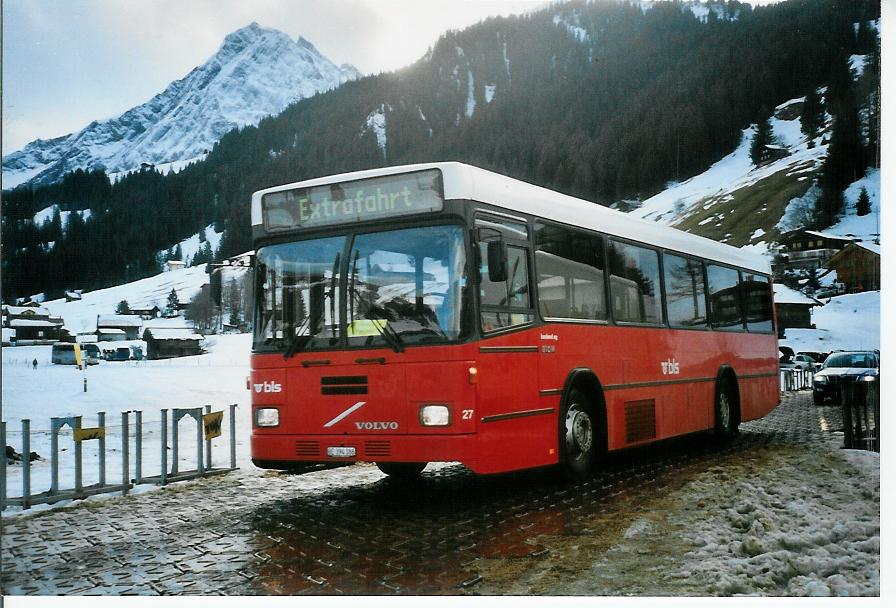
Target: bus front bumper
[(286, 452)]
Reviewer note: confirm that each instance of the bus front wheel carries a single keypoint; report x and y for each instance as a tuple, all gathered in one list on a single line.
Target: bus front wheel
[(402, 470), (577, 436)]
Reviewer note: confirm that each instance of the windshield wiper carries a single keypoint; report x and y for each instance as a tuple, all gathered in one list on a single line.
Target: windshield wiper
[(387, 332), (299, 340), (392, 337)]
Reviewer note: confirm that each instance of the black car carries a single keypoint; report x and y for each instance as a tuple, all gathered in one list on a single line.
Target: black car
[(859, 369)]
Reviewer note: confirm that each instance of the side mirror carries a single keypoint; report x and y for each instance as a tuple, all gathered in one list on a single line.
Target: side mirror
[(497, 261)]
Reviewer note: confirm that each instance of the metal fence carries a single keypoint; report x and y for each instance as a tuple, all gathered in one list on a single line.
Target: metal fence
[(208, 426), (796, 379), (860, 404)]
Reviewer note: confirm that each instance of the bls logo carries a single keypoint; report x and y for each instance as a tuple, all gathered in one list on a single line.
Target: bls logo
[(268, 387), (670, 366)]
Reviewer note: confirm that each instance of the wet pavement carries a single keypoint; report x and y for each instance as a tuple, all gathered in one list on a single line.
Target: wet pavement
[(351, 530)]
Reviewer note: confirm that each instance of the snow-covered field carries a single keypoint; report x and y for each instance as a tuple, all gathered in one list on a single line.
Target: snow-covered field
[(217, 379), (80, 316), (848, 322)]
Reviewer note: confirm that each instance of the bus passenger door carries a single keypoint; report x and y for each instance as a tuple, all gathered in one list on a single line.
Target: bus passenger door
[(513, 433)]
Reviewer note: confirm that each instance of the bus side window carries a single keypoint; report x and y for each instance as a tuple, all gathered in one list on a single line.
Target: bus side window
[(570, 269), (685, 292), (725, 310), (634, 283), (505, 303), (758, 297)]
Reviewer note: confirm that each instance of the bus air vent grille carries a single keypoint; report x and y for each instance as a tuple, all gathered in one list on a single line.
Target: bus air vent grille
[(307, 448), (378, 448), (343, 385), (640, 420)]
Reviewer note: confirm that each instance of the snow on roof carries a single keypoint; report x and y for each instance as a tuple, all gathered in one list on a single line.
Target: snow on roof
[(119, 321), (112, 331), (786, 295), (172, 333), (872, 247), (21, 310), (465, 182), (827, 235), (33, 323)]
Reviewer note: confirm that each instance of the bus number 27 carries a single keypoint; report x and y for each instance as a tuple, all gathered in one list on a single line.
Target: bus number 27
[(467, 414)]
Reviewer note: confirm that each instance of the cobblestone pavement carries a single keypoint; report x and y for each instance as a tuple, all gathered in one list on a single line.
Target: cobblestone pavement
[(341, 532)]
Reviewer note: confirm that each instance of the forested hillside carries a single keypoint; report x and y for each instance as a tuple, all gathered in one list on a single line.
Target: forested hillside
[(605, 101)]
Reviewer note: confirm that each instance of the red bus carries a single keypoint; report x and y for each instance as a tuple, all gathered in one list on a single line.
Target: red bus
[(441, 312)]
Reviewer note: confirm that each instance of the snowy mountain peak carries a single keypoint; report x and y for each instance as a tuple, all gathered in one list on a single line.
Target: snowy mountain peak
[(256, 72)]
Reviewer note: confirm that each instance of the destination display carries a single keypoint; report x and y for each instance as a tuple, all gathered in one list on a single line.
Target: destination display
[(351, 202)]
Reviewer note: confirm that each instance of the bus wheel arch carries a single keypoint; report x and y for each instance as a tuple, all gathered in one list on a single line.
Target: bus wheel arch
[(726, 405), (581, 424)]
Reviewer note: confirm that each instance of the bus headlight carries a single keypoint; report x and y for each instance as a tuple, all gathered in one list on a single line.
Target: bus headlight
[(820, 379), (267, 417), (435, 415), (868, 378)]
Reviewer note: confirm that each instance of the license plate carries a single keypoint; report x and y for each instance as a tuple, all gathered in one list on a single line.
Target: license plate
[(340, 452)]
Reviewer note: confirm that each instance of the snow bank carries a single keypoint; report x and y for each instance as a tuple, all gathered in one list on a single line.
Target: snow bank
[(773, 537)]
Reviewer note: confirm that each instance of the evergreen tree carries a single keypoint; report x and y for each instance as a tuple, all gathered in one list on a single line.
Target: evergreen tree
[(123, 308), (863, 204), (762, 138), (171, 305), (812, 116)]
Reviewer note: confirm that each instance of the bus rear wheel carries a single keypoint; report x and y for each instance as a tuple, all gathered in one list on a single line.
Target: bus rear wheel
[(402, 470), (577, 436)]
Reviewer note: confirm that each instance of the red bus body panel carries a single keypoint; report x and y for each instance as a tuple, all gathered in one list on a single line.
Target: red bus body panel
[(657, 383)]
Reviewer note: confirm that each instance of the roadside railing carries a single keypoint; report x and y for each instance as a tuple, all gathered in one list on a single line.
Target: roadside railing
[(796, 379), (208, 427), (860, 405)]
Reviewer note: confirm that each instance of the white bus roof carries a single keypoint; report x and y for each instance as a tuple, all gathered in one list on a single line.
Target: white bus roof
[(463, 181)]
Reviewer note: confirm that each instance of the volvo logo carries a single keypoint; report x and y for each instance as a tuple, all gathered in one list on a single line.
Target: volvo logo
[(376, 426)]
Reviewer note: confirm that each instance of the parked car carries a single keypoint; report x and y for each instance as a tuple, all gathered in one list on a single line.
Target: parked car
[(91, 354), (816, 356), (805, 362), (122, 353), (849, 368)]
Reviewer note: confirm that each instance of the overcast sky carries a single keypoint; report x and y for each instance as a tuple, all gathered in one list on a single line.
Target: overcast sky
[(68, 62)]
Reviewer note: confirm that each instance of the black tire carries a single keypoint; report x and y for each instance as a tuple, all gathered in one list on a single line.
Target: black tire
[(727, 416), (818, 398), (402, 470), (578, 436)]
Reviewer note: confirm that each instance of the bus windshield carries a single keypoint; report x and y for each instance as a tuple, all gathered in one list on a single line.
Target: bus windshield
[(401, 287)]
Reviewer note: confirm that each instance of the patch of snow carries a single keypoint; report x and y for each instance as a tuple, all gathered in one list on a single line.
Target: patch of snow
[(866, 227), (46, 215), (489, 92), (857, 64), (572, 28), (787, 132), (506, 60), (191, 245), (471, 98), (800, 210), (376, 122)]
